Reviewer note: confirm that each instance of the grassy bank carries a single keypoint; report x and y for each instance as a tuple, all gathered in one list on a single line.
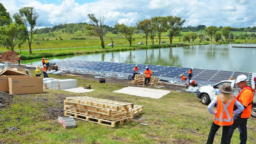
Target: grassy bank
[(177, 118)]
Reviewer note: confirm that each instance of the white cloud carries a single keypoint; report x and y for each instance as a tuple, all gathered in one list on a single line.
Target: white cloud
[(237, 13)]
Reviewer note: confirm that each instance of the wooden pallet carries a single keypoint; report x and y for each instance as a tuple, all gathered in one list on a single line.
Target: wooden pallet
[(98, 120)]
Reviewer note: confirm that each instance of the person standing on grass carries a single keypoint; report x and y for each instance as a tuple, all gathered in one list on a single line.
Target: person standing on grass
[(19, 60), (245, 97), (224, 116), (43, 62), (47, 64), (44, 72), (38, 71), (148, 73), (135, 71), (190, 74)]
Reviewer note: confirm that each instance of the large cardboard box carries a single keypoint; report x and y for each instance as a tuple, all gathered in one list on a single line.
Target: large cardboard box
[(4, 84), (25, 85)]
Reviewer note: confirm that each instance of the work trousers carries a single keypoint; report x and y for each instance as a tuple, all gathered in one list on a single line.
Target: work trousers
[(38, 75), (134, 75), (239, 123), (19, 62), (45, 74), (189, 77), (147, 79), (47, 66), (214, 129), (255, 86)]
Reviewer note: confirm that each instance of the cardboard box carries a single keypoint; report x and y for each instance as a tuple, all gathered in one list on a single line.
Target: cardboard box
[(4, 84), (25, 85)]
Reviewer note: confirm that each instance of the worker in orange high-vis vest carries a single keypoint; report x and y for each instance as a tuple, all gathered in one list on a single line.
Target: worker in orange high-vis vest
[(44, 69), (148, 73), (183, 78), (245, 97), (135, 71), (19, 60), (224, 116), (190, 74), (192, 83), (43, 61)]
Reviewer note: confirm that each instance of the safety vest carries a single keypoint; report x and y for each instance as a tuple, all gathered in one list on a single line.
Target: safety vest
[(224, 115), (148, 72), (47, 61), (189, 71), (43, 61), (18, 58), (183, 78), (136, 69), (44, 69), (248, 110), (255, 79), (37, 71)]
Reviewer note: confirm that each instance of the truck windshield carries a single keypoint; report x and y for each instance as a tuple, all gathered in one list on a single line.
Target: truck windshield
[(220, 84)]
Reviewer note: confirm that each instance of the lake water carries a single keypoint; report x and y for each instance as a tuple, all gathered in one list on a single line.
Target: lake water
[(217, 57)]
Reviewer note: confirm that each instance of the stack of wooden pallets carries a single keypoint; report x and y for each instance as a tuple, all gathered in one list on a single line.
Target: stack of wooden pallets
[(140, 80), (101, 111)]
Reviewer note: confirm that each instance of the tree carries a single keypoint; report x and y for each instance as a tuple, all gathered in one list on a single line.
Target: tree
[(126, 31), (187, 37), (174, 26), (201, 37), (145, 26), (160, 25), (217, 36), (98, 28), (231, 36), (5, 18), (112, 42), (211, 30), (12, 35), (225, 32), (28, 17), (193, 36), (152, 33)]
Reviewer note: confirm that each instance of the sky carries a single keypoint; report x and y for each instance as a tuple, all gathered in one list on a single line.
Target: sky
[(235, 13)]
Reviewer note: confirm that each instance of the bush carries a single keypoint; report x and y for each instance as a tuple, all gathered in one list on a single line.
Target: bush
[(78, 38), (61, 54), (207, 39), (155, 46)]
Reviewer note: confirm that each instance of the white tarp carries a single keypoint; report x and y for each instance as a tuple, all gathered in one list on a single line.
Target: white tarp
[(79, 90), (143, 92), (64, 84)]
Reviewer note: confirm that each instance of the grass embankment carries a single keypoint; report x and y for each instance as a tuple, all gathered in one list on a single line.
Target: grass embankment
[(73, 51), (175, 118)]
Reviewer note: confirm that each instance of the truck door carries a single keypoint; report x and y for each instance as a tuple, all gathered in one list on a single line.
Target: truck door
[(236, 90)]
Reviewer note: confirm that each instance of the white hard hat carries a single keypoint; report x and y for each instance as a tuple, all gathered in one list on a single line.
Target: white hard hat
[(191, 81), (135, 65), (146, 67), (241, 78)]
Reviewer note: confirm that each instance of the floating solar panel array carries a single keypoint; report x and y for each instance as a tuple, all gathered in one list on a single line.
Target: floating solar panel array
[(202, 76)]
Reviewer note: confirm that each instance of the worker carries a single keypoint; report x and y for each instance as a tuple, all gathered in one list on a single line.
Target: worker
[(190, 74), (43, 62), (192, 83), (148, 73), (19, 60), (135, 71), (44, 71), (183, 78), (224, 115), (38, 71), (231, 78), (245, 97), (255, 82), (47, 64)]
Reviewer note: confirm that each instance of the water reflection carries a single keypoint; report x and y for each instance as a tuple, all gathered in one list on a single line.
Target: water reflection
[(219, 57)]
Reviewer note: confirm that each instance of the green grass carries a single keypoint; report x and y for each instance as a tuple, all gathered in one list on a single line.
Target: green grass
[(175, 118)]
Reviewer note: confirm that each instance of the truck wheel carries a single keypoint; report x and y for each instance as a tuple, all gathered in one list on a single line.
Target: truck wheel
[(254, 111), (205, 99)]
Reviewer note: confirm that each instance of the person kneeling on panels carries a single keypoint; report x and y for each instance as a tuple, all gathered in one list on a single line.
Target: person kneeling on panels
[(136, 71), (38, 71), (148, 73), (224, 116), (44, 72), (192, 83), (183, 78)]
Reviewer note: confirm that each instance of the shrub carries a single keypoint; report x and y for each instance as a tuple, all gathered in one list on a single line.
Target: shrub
[(61, 54), (155, 46)]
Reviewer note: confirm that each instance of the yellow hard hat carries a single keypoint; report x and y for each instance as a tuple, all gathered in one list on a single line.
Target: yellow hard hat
[(181, 74)]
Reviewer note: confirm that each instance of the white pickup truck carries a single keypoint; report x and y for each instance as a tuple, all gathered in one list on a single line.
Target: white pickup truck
[(207, 93)]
